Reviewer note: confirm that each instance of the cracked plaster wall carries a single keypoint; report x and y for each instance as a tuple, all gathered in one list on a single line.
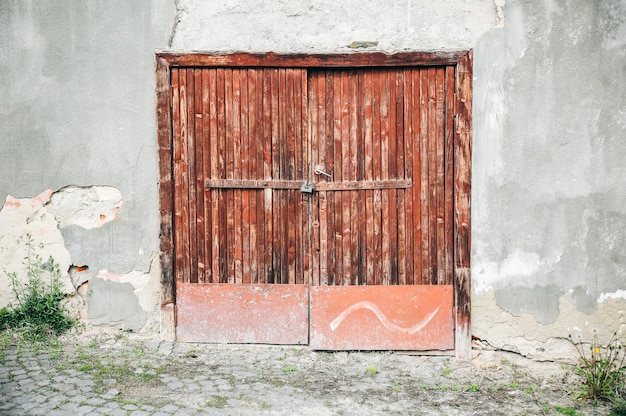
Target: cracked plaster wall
[(77, 115), (549, 121), (549, 183)]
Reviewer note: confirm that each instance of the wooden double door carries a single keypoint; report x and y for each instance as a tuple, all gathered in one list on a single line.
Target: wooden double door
[(314, 205)]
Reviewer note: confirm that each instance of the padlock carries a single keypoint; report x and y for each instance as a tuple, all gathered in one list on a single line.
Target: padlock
[(307, 188)]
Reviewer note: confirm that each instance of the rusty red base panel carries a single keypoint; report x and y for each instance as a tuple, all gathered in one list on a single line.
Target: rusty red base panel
[(416, 318), (228, 313)]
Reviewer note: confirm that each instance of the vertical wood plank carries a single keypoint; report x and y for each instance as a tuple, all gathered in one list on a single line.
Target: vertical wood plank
[(263, 140), (164, 109), (449, 176), (440, 174), (393, 157), (198, 178), (377, 170), (268, 172), (335, 171), (346, 176), (409, 140), (284, 174), (291, 225), (183, 174), (353, 146), (424, 176), (205, 168), (230, 174), (215, 194), (433, 178), (417, 176), (223, 172), (400, 173), (236, 137), (360, 211), (317, 210), (385, 160), (338, 176), (254, 142), (276, 170), (304, 210), (245, 174), (192, 252), (177, 176), (462, 199), (368, 156)]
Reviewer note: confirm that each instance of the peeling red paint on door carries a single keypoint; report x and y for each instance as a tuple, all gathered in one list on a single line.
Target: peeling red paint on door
[(382, 317), (308, 171), (251, 314)]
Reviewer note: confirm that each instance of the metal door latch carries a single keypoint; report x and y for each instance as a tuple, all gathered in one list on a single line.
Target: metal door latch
[(307, 188), (319, 170)]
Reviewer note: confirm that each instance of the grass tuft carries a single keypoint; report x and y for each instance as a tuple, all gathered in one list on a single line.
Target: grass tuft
[(37, 313), (602, 370)]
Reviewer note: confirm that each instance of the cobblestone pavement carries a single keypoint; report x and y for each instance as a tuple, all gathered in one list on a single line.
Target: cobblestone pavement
[(125, 374)]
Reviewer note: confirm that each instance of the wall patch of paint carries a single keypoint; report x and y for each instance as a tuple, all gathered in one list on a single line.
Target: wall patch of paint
[(86, 207), (114, 303)]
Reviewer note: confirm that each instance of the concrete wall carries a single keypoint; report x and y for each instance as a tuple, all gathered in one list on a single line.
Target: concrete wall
[(77, 117), (549, 187)]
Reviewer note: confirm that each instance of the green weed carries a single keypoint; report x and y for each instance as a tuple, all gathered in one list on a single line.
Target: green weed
[(602, 370), (37, 312), (372, 370), (218, 402), (619, 409), (567, 411), (446, 370)]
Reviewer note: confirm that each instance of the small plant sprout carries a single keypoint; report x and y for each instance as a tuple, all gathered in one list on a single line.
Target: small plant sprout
[(372, 370), (602, 369), (289, 369)]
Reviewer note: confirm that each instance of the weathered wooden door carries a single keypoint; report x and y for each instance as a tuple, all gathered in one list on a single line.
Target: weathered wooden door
[(315, 205), (382, 163)]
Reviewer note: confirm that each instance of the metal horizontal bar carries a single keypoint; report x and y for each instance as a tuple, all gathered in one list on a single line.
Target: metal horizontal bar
[(358, 185)]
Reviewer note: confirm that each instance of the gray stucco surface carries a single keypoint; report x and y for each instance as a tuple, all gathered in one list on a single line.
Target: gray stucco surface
[(114, 303), (549, 178), (549, 129), (77, 104)]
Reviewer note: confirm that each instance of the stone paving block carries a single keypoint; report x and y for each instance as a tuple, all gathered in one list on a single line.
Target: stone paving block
[(95, 401), (83, 410), (139, 413), (176, 384), (119, 412), (79, 398), (169, 408)]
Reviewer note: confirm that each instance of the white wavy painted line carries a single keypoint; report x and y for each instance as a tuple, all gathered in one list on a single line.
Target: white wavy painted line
[(382, 318)]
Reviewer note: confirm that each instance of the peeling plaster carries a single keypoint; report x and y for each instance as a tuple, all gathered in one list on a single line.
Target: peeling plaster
[(29, 216), (618, 294), (524, 335), (86, 207), (126, 299)]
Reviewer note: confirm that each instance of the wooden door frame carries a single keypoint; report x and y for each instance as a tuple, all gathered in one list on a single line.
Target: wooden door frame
[(461, 60)]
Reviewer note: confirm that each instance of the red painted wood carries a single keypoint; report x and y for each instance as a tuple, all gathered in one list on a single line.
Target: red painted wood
[(259, 314), (382, 318), (364, 127)]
